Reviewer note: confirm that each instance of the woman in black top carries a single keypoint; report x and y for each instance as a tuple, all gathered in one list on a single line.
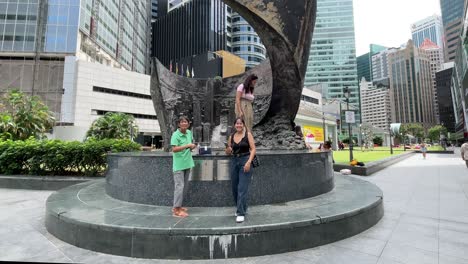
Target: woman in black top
[(241, 145)]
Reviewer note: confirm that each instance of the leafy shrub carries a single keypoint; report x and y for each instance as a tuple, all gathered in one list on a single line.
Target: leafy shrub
[(23, 116), (378, 140), (55, 157), (113, 125)]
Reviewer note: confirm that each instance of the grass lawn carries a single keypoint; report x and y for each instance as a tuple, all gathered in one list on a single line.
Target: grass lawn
[(362, 156), (377, 154)]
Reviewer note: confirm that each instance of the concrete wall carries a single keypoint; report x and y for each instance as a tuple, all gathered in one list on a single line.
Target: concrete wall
[(81, 105)]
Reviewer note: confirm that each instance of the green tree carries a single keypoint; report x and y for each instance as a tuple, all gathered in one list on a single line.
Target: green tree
[(113, 126), (367, 136), (434, 132), (23, 116), (414, 129), (378, 140)]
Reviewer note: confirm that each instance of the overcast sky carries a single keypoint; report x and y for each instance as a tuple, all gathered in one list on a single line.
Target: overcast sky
[(388, 22)]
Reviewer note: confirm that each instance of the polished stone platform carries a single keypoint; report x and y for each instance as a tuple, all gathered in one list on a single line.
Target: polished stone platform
[(83, 215), (146, 178)]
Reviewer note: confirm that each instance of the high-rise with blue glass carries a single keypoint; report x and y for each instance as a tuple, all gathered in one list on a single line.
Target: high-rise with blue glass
[(332, 59), (428, 28), (37, 35)]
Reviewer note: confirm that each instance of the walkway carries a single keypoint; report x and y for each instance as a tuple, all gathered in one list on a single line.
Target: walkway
[(426, 221)]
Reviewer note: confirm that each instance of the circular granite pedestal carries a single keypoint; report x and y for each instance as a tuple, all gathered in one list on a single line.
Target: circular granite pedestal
[(83, 215), (283, 176)]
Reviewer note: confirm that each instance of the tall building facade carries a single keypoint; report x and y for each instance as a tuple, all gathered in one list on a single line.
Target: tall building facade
[(154, 10), (37, 37), (436, 55), (452, 18), (375, 105), (445, 99), (190, 35), (430, 28), (364, 62), (380, 64), (411, 86), (332, 59), (244, 41)]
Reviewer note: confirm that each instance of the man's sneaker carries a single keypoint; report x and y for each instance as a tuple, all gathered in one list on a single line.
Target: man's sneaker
[(240, 218)]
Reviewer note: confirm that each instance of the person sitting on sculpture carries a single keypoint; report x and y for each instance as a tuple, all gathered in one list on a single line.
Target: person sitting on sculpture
[(241, 146), (244, 99), (182, 164)]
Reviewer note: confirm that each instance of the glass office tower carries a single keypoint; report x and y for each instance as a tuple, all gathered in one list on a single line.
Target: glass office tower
[(245, 42), (332, 59), (36, 36), (452, 18)]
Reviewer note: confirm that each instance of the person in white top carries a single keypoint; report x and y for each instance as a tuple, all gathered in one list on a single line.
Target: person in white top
[(464, 152), (244, 99)]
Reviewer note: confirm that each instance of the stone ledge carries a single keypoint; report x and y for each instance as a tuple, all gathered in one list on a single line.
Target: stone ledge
[(84, 216), (43, 183), (373, 166)]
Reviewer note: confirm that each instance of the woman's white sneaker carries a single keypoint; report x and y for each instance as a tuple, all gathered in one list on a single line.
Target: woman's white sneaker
[(240, 218)]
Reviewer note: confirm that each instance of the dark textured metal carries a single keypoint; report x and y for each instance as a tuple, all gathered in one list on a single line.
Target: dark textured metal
[(285, 28)]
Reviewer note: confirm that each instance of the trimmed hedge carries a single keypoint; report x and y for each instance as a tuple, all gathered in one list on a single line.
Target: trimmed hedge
[(55, 157)]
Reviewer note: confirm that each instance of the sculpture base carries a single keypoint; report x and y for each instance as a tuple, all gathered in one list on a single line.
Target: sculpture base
[(283, 176), (83, 215)]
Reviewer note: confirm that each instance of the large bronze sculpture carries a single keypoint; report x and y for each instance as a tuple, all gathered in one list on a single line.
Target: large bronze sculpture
[(285, 28)]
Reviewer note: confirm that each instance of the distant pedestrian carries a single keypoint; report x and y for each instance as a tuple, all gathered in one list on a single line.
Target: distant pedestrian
[(182, 163), (340, 145), (464, 151), (423, 150)]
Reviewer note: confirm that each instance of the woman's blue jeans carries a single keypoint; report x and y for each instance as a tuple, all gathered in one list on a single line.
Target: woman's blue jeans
[(240, 183)]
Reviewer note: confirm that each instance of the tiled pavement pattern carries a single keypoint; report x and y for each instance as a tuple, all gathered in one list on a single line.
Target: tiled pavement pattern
[(426, 221)]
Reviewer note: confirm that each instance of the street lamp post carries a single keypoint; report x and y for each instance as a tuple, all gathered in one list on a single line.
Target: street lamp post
[(347, 94), (323, 121), (390, 135)]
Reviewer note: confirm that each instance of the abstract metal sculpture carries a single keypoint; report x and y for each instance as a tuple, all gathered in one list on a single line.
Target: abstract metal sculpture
[(285, 28)]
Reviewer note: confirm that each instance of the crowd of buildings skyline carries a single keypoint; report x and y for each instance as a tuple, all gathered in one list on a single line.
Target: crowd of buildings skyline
[(60, 50), (417, 78)]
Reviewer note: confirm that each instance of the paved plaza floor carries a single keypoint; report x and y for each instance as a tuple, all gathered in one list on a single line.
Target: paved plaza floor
[(425, 221)]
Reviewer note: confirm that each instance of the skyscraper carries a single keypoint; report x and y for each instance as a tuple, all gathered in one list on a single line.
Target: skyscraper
[(189, 35), (36, 36), (332, 59), (436, 56), (380, 64), (375, 102), (411, 85), (429, 27), (154, 10), (364, 62), (452, 18), (245, 42), (445, 105)]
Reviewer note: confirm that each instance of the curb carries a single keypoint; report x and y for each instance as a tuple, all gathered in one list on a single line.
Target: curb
[(373, 166), (42, 183)]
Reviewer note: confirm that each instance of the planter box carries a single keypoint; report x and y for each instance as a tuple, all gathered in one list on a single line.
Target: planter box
[(44, 183), (373, 166)]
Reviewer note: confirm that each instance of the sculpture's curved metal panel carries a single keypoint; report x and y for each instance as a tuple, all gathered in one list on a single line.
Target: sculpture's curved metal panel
[(285, 28)]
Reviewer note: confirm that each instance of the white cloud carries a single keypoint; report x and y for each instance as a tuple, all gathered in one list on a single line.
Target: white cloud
[(388, 22)]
